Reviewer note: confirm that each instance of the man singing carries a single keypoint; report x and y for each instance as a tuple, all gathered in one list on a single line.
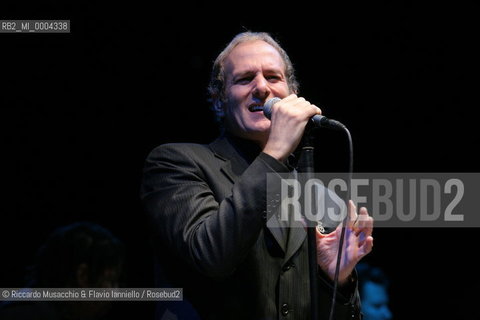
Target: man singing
[(207, 203)]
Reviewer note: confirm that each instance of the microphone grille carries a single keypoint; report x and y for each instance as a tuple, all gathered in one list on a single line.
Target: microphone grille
[(267, 107)]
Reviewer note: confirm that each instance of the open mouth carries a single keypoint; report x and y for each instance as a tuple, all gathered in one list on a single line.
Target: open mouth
[(255, 108)]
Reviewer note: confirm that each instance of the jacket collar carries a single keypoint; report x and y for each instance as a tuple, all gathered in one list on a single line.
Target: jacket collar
[(236, 152)]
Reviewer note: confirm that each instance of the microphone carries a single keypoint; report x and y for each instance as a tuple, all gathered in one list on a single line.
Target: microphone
[(316, 120)]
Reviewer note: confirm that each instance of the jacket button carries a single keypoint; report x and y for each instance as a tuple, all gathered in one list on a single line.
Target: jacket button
[(284, 309), (287, 267)]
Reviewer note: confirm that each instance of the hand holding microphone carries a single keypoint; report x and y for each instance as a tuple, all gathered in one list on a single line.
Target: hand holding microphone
[(289, 117), (317, 120)]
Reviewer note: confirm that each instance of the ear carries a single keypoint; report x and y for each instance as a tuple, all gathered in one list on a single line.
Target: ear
[(218, 108), (82, 276)]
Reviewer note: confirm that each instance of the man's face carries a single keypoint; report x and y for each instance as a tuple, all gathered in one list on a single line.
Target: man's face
[(255, 72)]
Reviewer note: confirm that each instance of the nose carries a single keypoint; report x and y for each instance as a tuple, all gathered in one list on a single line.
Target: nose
[(261, 89)]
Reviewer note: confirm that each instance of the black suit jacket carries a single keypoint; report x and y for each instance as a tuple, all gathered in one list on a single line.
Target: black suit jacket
[(207, 209)]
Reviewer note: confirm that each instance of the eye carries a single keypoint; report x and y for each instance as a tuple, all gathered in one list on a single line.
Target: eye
[(243, 80), (273, 78)]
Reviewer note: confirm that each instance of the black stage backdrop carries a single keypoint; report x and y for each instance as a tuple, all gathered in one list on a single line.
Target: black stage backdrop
[(81, 111)]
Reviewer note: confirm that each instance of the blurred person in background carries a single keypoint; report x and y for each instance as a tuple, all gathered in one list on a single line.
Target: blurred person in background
[(79, 255), (373, 286)]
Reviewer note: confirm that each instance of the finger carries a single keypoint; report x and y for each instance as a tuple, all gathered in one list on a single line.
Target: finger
[(364, 223), (295, 100), (287, 99), (290, 97), (304, 108), (301, 104), (352, 214), (317, 109), (366, 247)]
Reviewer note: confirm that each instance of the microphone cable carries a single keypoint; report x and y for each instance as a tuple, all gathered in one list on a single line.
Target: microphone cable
[(344, 223)]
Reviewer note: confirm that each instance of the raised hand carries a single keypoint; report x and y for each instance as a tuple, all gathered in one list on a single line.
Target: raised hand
[(358, 243)]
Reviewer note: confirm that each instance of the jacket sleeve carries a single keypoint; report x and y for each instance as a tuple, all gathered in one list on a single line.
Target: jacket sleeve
[(212, 236), (347, 302)]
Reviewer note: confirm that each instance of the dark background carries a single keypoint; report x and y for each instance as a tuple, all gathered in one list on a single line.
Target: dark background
[(80, 112)]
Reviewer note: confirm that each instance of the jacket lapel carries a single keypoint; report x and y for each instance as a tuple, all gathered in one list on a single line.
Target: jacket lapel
[(297, 232), (279, 231), (233, 167), (296, 237)]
